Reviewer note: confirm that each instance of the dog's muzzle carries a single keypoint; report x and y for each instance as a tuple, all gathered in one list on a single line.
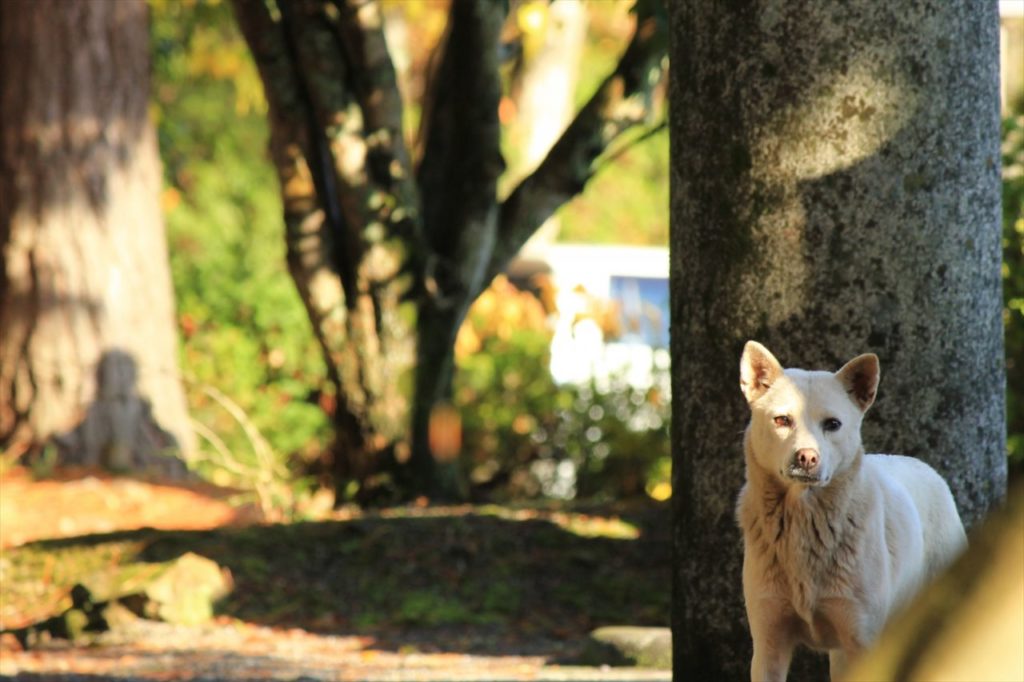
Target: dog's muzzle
[(805, 466)]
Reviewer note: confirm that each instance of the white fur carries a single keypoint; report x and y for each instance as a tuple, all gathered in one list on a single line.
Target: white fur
[(829, 553)]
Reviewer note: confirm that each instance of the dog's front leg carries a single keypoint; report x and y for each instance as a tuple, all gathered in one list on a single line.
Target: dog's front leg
[(837, 660), (853, 629), (774, 640), (770, 664)]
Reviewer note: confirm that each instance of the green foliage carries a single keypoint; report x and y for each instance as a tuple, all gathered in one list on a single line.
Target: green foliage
[(245, 330), (254, 371), (1013, 281), (624, 205), (625, 449), (626, 202), (527, 436), (430, 607)]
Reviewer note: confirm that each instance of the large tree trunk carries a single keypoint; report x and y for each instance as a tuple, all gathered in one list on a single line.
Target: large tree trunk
[(86, 307), (835, 190)]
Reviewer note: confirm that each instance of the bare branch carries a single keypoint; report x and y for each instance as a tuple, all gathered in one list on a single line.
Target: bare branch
[(622, 102)]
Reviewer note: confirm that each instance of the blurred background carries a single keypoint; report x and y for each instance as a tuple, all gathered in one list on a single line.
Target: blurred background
[(561, 388), (235, 292)]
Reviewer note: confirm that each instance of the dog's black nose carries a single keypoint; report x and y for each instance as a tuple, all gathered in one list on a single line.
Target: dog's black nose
[(807, 459)]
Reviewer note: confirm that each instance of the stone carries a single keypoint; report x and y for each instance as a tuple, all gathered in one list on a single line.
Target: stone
[(627, 645)]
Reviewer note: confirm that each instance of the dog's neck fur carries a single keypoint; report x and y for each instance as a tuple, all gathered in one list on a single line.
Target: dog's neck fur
[(814, 528)]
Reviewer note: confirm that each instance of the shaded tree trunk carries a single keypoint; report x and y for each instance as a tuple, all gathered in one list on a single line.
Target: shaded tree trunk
[(835, 190), (84, 272), (388, 257)]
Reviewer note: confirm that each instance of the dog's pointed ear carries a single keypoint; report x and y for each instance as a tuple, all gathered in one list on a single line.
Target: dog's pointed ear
[(860, 379), (758, 370)]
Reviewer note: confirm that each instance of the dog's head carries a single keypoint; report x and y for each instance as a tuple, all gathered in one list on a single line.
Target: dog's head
[(805, 426)]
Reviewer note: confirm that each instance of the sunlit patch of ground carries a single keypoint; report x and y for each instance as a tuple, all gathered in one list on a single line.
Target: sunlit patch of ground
[(239, 651), (81, 502), (410, 593)]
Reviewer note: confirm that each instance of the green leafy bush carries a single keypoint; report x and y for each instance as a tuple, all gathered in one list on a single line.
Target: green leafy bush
[(526, 436), (246, 337)]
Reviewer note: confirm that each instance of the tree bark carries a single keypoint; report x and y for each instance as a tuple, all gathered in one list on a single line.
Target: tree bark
[(835, 190), (86, 306), (351, 209)]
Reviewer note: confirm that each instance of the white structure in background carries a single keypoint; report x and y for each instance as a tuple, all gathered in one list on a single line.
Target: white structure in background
[(636, 279)]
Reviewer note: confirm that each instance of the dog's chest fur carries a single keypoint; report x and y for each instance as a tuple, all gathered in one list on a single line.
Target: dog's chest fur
[(805, 542)]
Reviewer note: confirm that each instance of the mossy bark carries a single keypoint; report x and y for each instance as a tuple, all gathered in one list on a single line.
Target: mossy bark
[(835, 190)]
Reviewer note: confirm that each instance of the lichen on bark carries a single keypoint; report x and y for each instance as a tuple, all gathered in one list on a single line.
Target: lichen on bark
[(833, 193)]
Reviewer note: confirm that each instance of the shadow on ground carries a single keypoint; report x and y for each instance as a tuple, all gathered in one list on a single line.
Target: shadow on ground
[(483, 581)]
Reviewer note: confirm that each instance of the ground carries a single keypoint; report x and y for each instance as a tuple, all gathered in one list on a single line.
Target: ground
[(411, 593)]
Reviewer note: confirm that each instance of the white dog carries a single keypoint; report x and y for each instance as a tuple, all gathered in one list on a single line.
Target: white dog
[(833, 540)]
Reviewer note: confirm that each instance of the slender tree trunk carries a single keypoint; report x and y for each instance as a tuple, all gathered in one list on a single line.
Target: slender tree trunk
[(86, 306), (835, 190), (350, 210)]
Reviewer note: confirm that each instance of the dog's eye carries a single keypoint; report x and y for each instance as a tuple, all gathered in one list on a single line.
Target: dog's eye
[(831, 424), (783, 422)]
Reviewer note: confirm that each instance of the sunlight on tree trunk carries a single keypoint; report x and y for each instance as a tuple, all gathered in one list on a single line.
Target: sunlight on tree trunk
[(84, 273), (835, 191), (544, 102)]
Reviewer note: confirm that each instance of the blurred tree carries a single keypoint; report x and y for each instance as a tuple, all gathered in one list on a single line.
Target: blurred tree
[(389, 252), (834, 196), (542, 91), (84, 274)]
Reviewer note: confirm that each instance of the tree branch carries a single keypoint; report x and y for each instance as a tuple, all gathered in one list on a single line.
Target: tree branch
[(462, 153), (622, 102), (360, 28), (312, 256), (335, 133), (266, 41)]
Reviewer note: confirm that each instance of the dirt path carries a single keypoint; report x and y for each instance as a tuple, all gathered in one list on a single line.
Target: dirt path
[(246, 652), (229, 648)]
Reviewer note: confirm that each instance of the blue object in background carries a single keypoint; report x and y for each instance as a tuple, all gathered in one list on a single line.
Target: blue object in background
[(643, 309)]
